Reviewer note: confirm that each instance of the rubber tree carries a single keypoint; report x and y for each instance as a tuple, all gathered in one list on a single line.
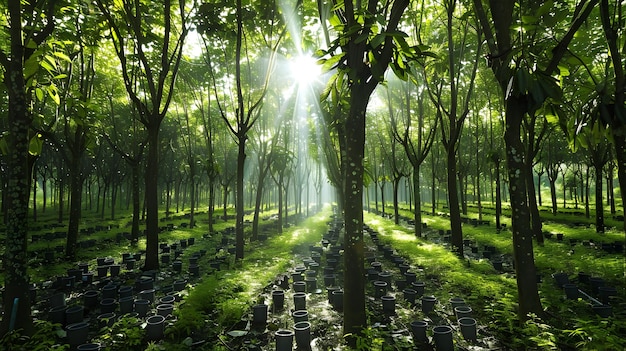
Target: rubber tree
[(367, 43), (72, 129), (281, 169), (129, 145), (415, 141), (614, 110), (593, 141), (28, 26), (247, 91), (526, 80), (188, 125), (74, 136), (149, 38), (450, 89), (553, 158), (398, 161), (204, 109), (535, 129)]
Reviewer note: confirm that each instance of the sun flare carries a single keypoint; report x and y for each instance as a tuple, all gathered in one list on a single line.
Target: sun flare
[(304, 69)]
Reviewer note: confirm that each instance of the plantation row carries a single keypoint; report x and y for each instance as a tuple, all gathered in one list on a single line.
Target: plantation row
[(224, 292)]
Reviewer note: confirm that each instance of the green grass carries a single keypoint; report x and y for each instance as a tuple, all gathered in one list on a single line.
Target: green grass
[(566, 322), (225, 296)]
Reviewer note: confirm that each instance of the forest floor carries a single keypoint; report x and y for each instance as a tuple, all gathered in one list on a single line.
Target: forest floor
[(214, 308)]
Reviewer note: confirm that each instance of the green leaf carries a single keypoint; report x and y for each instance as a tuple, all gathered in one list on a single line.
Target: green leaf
[(332, 62), (362, 37), (523, 78), (47, 66), (54, 94), (35, 145), (39, 93), (377, 40), (31, 44), (62, 56), (335, 21)]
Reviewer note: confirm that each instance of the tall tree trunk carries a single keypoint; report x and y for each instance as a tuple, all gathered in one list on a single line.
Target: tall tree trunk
[(257, 203), (152, 200), (525, 270), (462, 192), (76, 192), (34, 172), (225, 192), (553, 195), (376, 197), (134, 232), (44, 191), (192, 200), (538, 189), (417, 213), (610, 191), (241, 159), (279, 222), (498, 195), (453, 203), (355, 318), (433, 188), (382, 197), (536, 226), (211, 204), (619, 137), (396, 214), (61, 175), (599, 202), (587, 177)]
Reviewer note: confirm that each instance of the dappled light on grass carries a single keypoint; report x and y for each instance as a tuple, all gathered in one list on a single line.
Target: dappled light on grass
[(297, 236), (403, 236)]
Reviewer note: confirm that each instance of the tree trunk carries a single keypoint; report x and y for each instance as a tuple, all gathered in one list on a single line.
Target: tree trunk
[(433, 190), (225, 202), (61, 176), (619, 137), (599, 202), (192, 190), (104, 197), (553, 195), (610, 191), (536, 226), (168, 197), (382, 197), (355, 318), (396, 214), (587, 210), (526, 275), (241, 159), (211, 204), (417, 213), (376, 197), (114, 191), (453, 203), (152, 200), (134, 233), (462, 192), (538, 189), (76, 192), (16, 293), (279, 222), (498, 196), (34, 181), (257, 208)]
